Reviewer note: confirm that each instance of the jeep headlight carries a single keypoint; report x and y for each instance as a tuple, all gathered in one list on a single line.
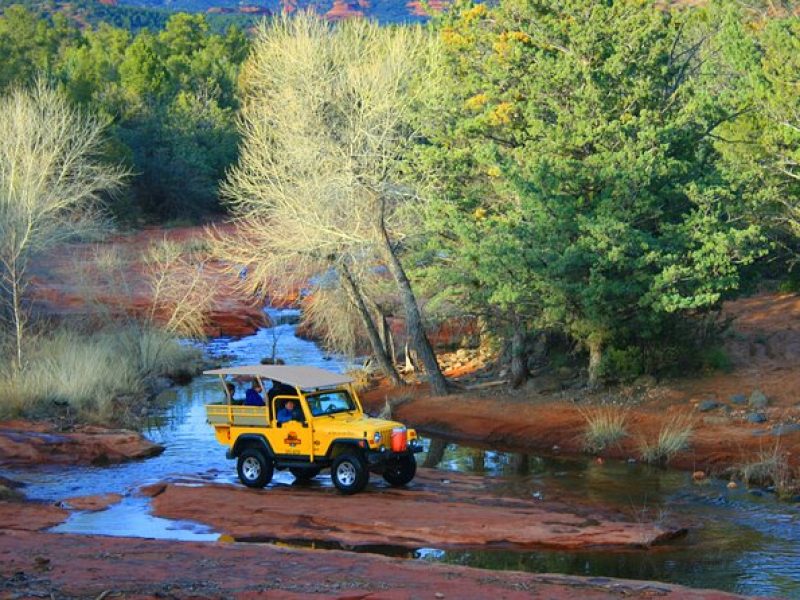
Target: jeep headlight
[(377, 438)]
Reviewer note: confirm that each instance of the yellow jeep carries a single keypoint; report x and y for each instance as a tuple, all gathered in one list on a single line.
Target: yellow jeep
[(325, 428)]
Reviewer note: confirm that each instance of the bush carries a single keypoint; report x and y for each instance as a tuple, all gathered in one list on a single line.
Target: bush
[(715, 358), (672, 438), (604, 426), (623, 365), (95, 378)]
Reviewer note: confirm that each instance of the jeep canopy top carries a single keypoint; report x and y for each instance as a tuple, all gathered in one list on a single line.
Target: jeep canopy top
[(300, 377)]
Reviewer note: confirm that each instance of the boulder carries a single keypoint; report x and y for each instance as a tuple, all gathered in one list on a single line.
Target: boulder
[(739, 399), (755, 417), (544, 384), (785, 428), (645, 381), (565, 373), (758, 399), (708, 405)]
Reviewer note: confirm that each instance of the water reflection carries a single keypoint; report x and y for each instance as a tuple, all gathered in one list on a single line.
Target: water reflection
[(737, 541)]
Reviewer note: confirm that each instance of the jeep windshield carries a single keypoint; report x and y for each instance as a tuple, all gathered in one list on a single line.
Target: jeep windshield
[(329, 403)]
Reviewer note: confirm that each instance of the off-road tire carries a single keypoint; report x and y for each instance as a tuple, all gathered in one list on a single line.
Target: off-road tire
[(255, 470), (401, 471), (349, 473), (304, 473)]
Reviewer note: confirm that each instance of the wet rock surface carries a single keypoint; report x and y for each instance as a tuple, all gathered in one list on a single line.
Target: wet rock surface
[(456, 512), (30, 516), (92, 503), (29, 443), (62, 565)]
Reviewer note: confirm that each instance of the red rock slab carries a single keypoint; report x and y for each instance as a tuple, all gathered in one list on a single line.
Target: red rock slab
[(65, 565), (30, 516), (29, 443), (92, 503), (438, 516)]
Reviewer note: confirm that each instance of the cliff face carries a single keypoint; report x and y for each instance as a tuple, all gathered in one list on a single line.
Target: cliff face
[(384, 11)]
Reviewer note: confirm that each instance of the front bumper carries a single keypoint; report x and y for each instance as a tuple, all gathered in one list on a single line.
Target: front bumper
[(377, 457)]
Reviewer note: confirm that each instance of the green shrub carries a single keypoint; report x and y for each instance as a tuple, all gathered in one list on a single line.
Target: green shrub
[(715, 358), (623, 364), (790, 285)]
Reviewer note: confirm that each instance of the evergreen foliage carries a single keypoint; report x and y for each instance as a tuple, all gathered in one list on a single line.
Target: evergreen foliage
[(171, 96)]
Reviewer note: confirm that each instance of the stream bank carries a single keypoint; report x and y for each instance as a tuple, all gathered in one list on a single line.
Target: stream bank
[(736, 542)]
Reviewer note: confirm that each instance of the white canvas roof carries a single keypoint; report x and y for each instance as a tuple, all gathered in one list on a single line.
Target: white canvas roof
[(300, 377)]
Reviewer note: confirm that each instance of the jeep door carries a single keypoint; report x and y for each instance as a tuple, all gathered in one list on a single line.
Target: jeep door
[(293, 438)]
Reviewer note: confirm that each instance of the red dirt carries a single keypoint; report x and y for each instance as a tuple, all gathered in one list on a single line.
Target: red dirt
[(59, 565), (542, 424), (460, 513), (28, 443), (764, 347)]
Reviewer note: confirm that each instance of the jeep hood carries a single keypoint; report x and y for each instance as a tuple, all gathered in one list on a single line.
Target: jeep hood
[(361, 421)]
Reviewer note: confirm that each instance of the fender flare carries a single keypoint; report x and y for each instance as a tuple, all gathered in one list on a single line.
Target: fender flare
[(348, 442), (249, 440)]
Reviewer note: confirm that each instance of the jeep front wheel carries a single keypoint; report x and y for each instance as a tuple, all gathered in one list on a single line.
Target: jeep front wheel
[(255, 470), (349, 474), (401, 471)]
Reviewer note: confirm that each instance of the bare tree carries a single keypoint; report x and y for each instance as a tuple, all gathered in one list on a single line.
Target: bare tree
[(180, 299), (327, 118), (52, 178)]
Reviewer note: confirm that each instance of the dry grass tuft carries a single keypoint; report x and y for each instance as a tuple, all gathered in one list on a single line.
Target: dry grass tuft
[(771, 468), (362, 379), (605, 426), (673, 437)]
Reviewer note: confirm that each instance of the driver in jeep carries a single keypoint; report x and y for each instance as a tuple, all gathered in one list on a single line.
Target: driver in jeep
[(287, 412)]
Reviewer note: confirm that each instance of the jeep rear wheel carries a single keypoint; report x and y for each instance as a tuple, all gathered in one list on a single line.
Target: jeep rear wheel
[(304, 473), (255, 470), (401, 471), (349, 474)]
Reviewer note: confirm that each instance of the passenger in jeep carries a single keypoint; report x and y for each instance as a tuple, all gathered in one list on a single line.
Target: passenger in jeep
[(287, 413), (280, 389), (253, 395)]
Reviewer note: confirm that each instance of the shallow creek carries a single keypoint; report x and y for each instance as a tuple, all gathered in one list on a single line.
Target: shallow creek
[(738, 540)]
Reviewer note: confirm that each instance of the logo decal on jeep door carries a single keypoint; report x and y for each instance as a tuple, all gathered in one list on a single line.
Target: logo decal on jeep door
[(292, 439)]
